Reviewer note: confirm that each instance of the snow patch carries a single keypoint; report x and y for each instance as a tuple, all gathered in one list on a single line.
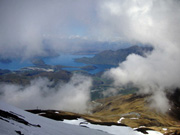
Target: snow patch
[(165, 129), (51, 127), (151, 132), (120, 120), (134, 118), (47, 126), (114, 130)]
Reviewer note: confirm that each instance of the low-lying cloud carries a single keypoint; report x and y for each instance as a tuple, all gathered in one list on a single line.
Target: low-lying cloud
[(153, 22), (27, 25), (72, 96)]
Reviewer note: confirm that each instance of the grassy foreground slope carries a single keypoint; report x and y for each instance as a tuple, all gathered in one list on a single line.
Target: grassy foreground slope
[(133, 110)]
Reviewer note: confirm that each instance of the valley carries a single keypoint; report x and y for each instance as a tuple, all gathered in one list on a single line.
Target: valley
[(89, 67)]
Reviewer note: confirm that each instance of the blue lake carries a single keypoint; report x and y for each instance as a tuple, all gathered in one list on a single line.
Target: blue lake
[(63, 59), (16, 64)]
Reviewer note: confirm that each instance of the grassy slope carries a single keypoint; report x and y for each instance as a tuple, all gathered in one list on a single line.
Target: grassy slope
[(133, 106), (109, 110)]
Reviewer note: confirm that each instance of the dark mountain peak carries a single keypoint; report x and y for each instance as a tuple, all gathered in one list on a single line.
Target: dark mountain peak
[(109, 57), (137, 48), (133, 47)]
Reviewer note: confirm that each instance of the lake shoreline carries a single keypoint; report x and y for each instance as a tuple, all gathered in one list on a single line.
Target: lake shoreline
[(61, 62)]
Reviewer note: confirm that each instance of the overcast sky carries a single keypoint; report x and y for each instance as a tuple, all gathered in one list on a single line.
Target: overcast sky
[(25, 25), (34, 26)]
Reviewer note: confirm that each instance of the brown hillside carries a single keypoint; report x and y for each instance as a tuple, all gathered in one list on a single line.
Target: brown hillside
[(135, 112)]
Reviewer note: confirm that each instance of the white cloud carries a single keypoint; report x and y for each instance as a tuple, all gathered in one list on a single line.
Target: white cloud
[(72, 96), (153, 22), (24, 23)]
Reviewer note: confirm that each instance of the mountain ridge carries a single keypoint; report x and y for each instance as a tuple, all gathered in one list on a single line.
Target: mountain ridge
[(110, 57)]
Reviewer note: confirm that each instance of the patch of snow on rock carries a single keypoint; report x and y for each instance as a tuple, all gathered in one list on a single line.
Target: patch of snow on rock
[(120, 120)]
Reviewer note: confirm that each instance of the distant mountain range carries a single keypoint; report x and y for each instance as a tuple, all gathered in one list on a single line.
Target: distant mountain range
[(110, 57)]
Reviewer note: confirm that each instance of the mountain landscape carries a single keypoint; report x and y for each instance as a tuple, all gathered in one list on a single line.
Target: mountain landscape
[(15, 121), (129, 110), (56, 74), (125, 108), (95, 67)]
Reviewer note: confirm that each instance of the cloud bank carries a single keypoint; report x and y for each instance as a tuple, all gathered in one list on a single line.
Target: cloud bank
[(72, 96), (39, 27), (33, 27), (154, 22)]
